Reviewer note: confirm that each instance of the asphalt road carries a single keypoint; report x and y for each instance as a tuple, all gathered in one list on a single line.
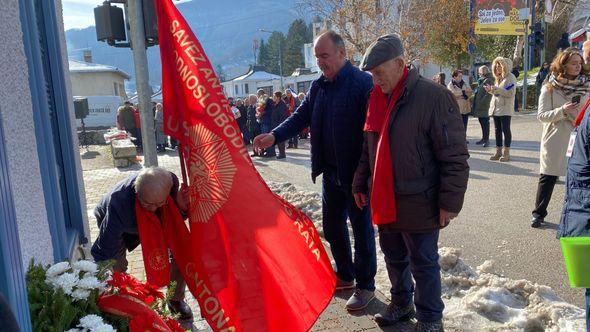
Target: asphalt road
[(494, 223)]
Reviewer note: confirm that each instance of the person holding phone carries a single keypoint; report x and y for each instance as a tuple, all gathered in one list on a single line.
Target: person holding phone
[(502, 106), (559, 104)]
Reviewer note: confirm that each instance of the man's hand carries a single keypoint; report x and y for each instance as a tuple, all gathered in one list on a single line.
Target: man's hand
[(263, 141), (445, 217), (183, 197), (360, 200)]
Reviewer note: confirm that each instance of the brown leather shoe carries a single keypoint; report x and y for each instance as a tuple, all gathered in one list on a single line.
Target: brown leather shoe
[(181, 308)]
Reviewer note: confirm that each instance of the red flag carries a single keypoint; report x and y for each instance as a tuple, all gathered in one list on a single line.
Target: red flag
[(258, 262)]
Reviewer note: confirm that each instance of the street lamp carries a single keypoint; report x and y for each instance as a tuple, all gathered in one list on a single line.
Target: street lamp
[(280, 57)]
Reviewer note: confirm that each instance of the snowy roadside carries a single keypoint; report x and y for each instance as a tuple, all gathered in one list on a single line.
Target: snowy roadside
[(475, 299)]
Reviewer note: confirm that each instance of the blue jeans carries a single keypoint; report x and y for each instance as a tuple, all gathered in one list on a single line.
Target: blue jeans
[(587, 309), (414, 254), (337, 206)]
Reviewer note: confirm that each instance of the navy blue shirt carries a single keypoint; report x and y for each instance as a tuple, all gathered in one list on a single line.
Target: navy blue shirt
[(336, 113), (117, 223)]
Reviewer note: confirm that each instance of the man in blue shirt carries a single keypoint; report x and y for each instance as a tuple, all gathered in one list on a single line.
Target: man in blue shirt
[(335, 107)]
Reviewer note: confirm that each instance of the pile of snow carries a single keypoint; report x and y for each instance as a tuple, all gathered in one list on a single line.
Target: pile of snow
[(482, 300), (308, 202), (475, 299)]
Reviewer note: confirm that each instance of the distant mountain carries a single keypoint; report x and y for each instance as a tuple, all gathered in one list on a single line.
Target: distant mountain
[(225, 28)]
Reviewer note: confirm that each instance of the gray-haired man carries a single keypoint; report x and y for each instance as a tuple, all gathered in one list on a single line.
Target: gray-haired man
[(117, 222), (428, 160)]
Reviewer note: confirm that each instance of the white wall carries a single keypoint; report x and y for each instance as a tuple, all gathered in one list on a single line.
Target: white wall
[(17, 113), (97, 84)]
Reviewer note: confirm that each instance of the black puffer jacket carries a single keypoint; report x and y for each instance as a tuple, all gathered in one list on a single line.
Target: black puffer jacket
[(428, 152)]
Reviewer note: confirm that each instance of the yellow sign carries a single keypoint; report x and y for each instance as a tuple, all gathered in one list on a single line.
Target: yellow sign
[(497, 17)]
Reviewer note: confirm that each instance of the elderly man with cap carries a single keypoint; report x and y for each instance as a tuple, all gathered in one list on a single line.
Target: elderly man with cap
[(117, 218), (335, 108), (413, 173)]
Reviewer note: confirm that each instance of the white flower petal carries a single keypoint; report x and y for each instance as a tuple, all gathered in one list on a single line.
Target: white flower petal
[(81, 294), (86, 266), (90, 322), (104, 328), (57, 269)]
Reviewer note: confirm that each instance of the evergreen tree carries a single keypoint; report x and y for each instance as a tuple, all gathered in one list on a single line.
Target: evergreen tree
[(263, 54), (276, 40), (293, 55)]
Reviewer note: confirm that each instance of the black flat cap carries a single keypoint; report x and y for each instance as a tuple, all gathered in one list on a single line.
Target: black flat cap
[(385, 48)]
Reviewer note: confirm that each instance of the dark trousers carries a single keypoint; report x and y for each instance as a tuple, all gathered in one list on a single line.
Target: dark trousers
[(465, 121), (175, 274), (281, 147), (485, 128), (265, 128), (337, 206), (544, 192), (414, 254), (294, 141), (245, 133), (502, 126)]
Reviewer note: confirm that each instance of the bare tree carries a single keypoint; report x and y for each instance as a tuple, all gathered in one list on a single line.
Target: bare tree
[(360, 22)]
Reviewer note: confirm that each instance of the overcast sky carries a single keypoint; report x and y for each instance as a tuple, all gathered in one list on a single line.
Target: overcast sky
[(80, 13)]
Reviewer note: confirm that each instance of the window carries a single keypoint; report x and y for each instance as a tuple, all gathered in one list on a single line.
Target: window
[(236, 88), (116, 88), (246, 89), (54, 131)]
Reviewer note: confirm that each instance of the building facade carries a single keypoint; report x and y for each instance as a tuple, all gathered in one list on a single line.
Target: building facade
[(42, 204), (93, 79)]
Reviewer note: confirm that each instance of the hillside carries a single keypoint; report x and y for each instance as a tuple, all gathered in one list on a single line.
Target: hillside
[(225, 28)]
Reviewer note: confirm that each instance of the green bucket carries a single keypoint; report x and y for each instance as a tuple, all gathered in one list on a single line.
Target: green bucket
[(576, 252)]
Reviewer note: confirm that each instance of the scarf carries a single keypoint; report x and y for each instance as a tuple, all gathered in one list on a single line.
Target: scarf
[(156, 235), (579, 86), (383, 206)]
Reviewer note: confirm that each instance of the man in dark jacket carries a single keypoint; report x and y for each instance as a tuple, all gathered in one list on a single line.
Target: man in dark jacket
[(242, 120), (265, 108), (481, 103), (575, 216), (280, 113), (335, 108), (252, 124), (428, 159), (117, 222)]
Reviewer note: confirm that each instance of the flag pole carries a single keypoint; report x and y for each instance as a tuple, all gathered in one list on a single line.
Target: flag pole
[(182, 164)]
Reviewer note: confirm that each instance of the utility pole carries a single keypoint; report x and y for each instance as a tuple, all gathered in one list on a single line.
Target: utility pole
[(525, 64), (138, 46), (532, 51)]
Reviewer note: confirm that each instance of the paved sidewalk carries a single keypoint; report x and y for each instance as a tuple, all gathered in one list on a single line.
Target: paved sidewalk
[(100, 176)]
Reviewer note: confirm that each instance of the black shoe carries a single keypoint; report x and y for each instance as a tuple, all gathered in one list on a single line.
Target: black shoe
[(436, 326), (393, 314), (486, 144), (268, 155), (466, 142), (181, 308), (281, 157), (255, 155), (480, 142), (536, 222)]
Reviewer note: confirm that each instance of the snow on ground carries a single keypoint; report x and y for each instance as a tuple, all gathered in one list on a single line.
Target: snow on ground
[(475, 299)]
